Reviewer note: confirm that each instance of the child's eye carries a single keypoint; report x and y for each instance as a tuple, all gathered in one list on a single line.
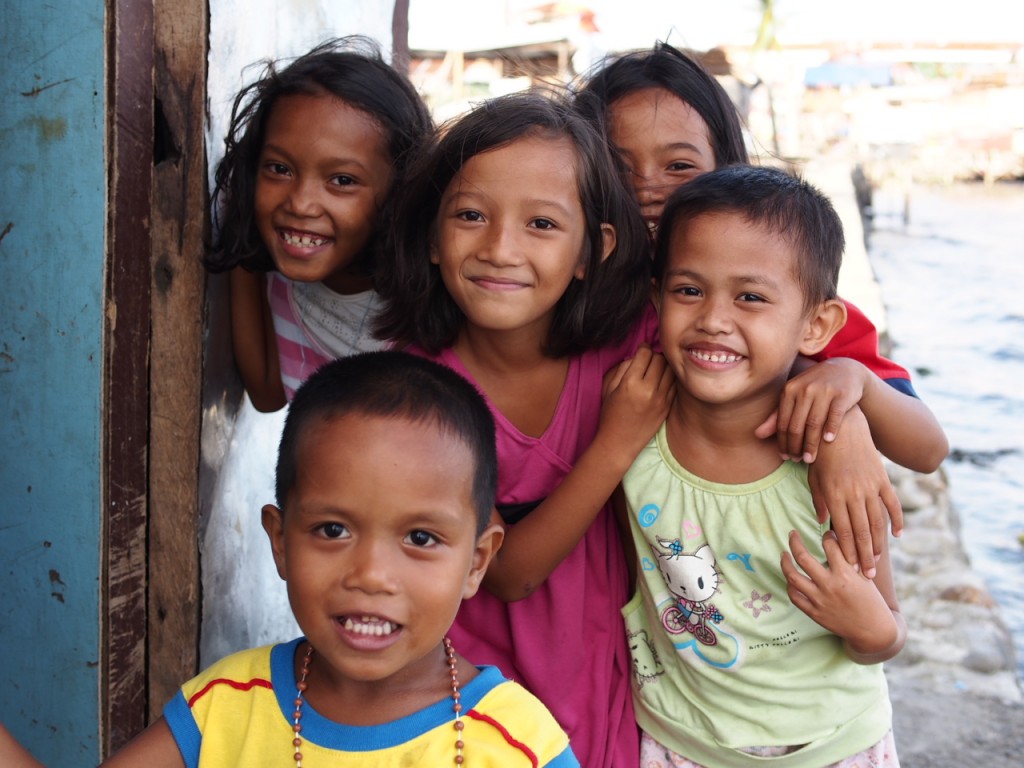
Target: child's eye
[(469, 216), (332, 530), (421, 538), (343, 181), (685, 290), (278, 169), (751, 297), (681, 165), (542, 224)]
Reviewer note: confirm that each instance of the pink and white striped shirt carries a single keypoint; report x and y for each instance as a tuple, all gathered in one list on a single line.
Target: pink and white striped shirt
[(313, 325)]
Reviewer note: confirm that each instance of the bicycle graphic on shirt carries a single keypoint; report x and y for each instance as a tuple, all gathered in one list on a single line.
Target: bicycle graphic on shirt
[(693, 580)]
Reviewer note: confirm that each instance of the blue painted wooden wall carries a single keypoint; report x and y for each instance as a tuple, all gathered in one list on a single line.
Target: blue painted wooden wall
[(52, 215)]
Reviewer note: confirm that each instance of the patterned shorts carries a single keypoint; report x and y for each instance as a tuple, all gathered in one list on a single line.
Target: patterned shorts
[(881, 755)]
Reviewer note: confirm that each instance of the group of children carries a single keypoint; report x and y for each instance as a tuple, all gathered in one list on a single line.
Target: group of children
[(572, 465)]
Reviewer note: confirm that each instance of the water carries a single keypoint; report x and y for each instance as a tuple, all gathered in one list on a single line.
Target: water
[(952, 282)]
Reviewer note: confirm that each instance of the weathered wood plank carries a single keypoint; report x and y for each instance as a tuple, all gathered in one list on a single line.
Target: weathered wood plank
[(178, 284), (126, 374)]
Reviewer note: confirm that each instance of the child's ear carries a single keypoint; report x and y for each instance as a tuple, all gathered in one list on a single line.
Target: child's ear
[(608, 241), (273, 524), (824, 323), (487, 544), (656, 295)]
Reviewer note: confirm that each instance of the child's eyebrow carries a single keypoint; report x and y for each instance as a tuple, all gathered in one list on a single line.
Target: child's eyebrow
[(335, 161), (680, 272), (548, 204), (468, 194), (681, 145), (755, 279)]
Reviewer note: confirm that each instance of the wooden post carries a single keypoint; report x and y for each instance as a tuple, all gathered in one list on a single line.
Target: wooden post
[(126, 375), (179, 207)]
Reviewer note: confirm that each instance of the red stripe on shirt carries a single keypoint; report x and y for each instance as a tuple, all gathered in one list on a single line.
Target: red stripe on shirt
[(256, 682), (508, 736)]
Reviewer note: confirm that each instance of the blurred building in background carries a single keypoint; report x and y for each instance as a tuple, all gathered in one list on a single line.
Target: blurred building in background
[(921, 90)]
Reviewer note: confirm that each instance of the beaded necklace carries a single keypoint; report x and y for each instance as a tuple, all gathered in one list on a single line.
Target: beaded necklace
[(302, 685)]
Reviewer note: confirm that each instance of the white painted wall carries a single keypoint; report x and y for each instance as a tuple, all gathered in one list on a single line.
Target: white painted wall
[(244, 601)]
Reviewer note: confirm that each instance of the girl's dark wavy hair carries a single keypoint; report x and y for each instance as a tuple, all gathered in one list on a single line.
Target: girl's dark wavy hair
[(666, 67), (350, 69), (595, 311)]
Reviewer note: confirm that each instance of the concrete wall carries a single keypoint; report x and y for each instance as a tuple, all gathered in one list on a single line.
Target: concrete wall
[(244, 601), (52, 215)]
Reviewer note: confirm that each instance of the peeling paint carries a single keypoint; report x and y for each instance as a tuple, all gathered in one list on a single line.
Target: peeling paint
[(55, 581), (50, 129)]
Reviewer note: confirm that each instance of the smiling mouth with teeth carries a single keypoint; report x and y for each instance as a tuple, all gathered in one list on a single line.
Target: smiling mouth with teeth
[(369, 625), (304, 240), (716, 357)]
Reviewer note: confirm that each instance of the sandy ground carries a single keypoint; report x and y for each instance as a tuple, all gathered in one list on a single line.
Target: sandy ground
[(936, 730)]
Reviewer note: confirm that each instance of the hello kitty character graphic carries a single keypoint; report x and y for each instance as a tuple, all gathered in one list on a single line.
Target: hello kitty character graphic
[(693, 579)]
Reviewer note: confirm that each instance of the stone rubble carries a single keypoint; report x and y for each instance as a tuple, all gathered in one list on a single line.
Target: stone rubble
[(957, 639), (957, 699), (956, 696)]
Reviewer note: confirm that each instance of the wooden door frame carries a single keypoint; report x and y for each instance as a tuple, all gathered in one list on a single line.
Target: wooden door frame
[(125, 380), (179, 205), (156, 189), (153, 352)]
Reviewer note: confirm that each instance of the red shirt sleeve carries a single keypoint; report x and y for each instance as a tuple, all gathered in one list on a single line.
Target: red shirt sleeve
[(858, 340)]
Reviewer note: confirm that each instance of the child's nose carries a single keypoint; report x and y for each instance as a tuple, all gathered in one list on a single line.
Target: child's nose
[(367, 569), (501, 247), (715, 318), (304, 198), (650, 190)]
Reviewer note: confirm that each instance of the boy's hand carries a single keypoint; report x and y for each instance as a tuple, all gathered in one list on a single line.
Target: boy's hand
[(637, 396), (837, 596), (812, 406), (849, 484)]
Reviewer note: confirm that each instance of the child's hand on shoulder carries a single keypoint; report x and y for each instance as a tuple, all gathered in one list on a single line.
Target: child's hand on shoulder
[(637, 396), (849, 484), (812, 406)]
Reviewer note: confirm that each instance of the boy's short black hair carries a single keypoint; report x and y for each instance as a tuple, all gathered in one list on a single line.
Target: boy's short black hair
[(770, 198), (397, 385)]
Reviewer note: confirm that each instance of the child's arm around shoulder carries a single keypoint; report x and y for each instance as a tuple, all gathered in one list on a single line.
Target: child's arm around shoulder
[(818, 396), (637, 397), (815, 401), (903, 427), (254, 341), (851, 489), (848, 480), (155, 747)]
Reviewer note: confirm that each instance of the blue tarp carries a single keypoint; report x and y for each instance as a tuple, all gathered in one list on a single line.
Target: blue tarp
[(848, 72)]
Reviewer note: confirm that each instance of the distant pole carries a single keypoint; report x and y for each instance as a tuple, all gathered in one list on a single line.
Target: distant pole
[(400, 37)]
